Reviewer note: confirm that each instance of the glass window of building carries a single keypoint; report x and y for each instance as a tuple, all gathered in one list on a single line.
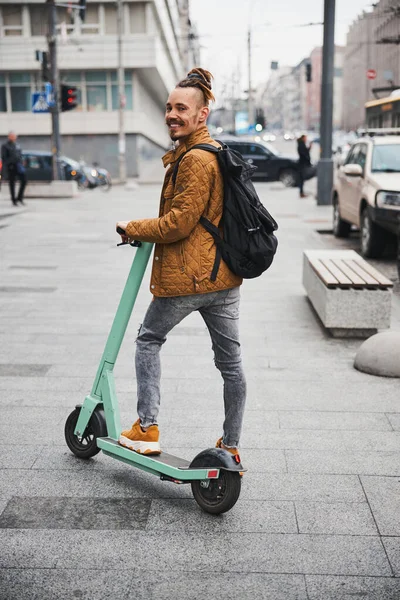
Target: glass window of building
[(137, 12), (91, 21), (20, 89), (3, 96), (96, 90), (110, 18), (39, 18), (128, 90), (12, 19)]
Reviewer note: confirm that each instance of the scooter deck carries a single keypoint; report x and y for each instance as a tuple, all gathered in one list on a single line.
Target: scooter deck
[(165, 464)]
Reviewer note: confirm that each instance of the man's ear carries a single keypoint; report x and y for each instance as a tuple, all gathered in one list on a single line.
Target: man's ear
[(204, 112)]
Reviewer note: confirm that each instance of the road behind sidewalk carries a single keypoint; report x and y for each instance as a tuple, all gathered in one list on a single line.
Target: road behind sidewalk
[(319, 513)]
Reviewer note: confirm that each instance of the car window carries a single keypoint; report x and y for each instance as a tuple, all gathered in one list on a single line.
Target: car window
[(33, 162), (362, 155), (46, 161), (386, 158), (352, 155), (256, 150)]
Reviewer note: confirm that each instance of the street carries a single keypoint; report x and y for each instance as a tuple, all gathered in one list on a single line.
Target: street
[(319, 513)]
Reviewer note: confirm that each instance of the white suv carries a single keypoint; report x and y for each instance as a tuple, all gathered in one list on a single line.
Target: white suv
[(366, 193)]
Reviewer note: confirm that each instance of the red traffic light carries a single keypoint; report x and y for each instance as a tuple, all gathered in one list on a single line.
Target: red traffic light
[(68, 95)]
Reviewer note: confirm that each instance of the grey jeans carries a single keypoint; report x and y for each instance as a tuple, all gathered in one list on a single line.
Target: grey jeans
[(220, 311)]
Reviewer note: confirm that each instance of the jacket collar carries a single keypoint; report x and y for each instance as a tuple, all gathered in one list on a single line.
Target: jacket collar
[(200, 136)]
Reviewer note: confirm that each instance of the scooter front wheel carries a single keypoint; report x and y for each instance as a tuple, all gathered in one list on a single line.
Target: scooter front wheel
[(87, 446), (217, 496)]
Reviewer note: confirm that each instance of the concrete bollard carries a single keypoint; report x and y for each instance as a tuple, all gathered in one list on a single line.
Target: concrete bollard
[(380, 355)]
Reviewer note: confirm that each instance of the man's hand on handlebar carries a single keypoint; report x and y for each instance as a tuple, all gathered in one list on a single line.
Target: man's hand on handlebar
[(121, 227)]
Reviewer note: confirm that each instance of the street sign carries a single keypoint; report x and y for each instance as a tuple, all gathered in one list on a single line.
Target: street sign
[(39, 103), (371, 74), (48, 90)]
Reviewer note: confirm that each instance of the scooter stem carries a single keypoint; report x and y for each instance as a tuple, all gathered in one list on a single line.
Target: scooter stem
[(123, 313)]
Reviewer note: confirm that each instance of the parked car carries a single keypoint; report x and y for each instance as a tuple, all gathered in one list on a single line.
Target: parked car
[(366, 193), (272, 166)]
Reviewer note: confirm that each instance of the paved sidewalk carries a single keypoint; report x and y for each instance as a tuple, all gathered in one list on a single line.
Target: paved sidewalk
[(319, 513)]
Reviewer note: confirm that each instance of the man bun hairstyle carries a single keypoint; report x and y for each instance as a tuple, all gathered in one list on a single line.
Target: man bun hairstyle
[(200, 79)]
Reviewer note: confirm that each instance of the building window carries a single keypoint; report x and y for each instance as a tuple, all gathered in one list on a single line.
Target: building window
[(128, 90), (91, 22), (96, 90), (39, 19), (137, 11), (20, 89), (110, 18), (12, 20)]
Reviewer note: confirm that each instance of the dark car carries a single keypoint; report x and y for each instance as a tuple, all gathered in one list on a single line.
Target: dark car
[(271, 166), (38, 166)]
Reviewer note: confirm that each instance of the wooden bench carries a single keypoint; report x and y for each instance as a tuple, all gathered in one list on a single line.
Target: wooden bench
[(352, 298)]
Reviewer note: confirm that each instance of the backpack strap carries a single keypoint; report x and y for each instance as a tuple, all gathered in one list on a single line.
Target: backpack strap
[(207, 147), (205, 222)]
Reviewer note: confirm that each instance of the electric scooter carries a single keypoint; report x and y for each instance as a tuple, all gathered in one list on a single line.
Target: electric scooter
[(214, 474)]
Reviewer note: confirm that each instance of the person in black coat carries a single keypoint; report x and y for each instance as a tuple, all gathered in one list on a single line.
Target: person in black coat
[(304, 161), (13, 168)]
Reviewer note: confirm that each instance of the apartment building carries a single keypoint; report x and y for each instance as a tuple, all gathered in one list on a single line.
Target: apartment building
[(158, 48), (372, 43)]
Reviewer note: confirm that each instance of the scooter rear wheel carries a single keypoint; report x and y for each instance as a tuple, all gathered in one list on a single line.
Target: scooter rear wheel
[(217, 496), (87, 446)]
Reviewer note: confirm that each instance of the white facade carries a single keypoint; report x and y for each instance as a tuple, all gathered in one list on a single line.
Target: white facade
[(156, 53)]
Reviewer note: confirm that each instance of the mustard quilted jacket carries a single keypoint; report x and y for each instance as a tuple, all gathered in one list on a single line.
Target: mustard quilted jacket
[(185, 252)]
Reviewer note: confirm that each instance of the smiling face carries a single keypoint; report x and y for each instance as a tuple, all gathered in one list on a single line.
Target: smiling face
[(185, 112)]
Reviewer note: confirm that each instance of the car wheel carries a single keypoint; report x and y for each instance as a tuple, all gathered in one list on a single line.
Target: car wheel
[(373, 239), (288, 177), (341, 229)]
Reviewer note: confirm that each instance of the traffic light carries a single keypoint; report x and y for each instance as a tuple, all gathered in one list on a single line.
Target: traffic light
[(82, 10), (260, 119), (308, 72), (68, 97)]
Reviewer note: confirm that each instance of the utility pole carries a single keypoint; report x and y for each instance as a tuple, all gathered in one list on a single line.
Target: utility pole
[(250, 108), (121, 97), (325, 164), (55, 109)]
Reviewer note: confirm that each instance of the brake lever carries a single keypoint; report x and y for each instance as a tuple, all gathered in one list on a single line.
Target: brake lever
[(134, 244)]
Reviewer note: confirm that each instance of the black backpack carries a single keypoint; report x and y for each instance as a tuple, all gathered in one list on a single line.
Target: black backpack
[(247, 244)]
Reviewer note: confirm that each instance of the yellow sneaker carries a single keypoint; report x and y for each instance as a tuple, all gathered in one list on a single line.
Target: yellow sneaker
[(233, 451), (142, 442)]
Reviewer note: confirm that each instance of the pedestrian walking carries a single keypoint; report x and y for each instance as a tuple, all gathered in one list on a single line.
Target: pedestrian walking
[(181, 279), (13, 168), (306, 170)]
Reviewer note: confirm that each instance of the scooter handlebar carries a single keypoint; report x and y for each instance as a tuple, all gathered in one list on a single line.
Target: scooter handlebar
[(135, 243)]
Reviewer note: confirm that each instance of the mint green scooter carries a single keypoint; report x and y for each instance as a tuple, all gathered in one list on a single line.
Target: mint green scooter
[(214, 474)]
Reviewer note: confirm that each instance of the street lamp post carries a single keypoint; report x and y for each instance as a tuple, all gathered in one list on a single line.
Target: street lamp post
[(121, 97), (325, 164)]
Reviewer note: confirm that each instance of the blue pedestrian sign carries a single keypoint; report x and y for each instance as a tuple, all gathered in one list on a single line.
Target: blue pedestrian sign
[(39, 103)]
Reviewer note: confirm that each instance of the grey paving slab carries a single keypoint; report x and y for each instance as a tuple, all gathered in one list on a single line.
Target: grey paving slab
[(236, 586), (383, 495), (292, 486), (392, 547), (394, 420), (22, 370), (347, 588), (42, 383), (248, 516), (336, 518), (64, 584), (362, 463), (334, 420), (255, 552), (121, 483), (18, 457), (33, 425), (75, 513)]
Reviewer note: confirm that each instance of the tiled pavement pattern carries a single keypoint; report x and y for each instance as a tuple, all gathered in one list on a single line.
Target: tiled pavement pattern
[(319, 513)]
